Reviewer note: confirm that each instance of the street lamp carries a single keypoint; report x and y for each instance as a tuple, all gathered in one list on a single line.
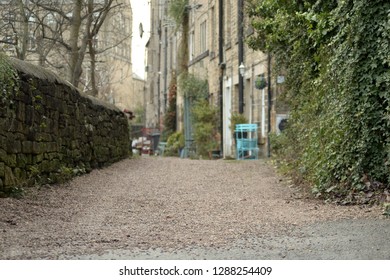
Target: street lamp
[(242, 69)]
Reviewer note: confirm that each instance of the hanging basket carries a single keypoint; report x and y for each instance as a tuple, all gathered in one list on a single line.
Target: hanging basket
[(260, 82)]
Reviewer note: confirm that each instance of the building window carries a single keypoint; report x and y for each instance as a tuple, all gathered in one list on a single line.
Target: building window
[(228, 23), (9, 17), (192, 45), (203, 37), (214, 35), (31, 42)]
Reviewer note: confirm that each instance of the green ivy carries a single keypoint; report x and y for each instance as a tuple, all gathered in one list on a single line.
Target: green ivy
[(170, 116), (9, 80), (336, 55), (177, 9)]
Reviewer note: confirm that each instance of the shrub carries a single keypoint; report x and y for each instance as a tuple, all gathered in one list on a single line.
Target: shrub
[(335, 54), (205, 127), (175, 143)]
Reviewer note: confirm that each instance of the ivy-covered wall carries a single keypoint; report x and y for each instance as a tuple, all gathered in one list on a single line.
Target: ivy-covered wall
[(48, 130), (336, 59)]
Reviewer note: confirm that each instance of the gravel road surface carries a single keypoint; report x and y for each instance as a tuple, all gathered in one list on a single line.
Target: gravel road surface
[(170, 208)]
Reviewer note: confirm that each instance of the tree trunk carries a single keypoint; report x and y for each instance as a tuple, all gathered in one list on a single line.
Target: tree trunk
[(74, 70), (184, 52), (22, 50), (92, 55)]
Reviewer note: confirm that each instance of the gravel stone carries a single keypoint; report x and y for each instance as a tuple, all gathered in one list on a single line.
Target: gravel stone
[(160, 204)]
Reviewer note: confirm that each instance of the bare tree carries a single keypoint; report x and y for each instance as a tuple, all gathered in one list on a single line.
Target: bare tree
[(65, 33), (14, 28)]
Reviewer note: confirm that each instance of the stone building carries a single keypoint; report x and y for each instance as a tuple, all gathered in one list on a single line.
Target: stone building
[(217, 49), (112, 46)]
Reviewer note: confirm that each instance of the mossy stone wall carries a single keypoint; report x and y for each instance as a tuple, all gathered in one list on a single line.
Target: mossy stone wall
[(47, 126)]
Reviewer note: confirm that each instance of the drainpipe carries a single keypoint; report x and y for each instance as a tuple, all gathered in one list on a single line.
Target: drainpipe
[(165, 67), (222, 66), (159, 78), (269, 106), (240, 55)]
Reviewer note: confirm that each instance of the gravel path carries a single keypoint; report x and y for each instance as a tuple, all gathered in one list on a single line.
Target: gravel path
[(173, 208)]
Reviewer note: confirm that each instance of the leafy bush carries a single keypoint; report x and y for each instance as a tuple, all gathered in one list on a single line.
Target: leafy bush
[(9, 80), (175, 142), (205, 127), (194, 87), (336, 56)]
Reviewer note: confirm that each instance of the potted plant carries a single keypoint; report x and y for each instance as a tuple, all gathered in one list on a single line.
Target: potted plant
[(260, 82)]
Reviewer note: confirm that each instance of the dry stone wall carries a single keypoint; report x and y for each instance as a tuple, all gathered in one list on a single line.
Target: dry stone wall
[(49, 131)]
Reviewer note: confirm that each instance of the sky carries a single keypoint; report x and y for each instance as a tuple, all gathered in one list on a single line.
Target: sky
[(141, 11)]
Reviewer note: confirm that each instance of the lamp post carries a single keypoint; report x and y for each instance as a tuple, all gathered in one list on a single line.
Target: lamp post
[(241, 55), (242, 69), (269, 105)]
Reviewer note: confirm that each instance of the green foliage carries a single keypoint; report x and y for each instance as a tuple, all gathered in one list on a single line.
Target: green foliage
[(180, 14), (170, 116), (279, 142), (204, 115), (139, 113), (9, 80), (175, 142), (386, 209), (336, 56), (237, 118), (260, 82), (14, 192), (194, 87), (177, 9), (205, 127)]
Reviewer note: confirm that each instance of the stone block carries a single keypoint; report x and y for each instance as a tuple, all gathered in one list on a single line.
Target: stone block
[(3, 122), (16, 126), (20, 111), (21, 160), (43, 137), (9, 177), (27, 147), (37, 159), (2, 169), (10, 160), (51, 147), (37, 147), (29, 115), (3, 155)]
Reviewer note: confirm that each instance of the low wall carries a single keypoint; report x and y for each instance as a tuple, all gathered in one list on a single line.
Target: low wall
[(48, 130)]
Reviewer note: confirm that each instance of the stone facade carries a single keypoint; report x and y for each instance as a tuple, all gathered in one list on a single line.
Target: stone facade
[(47, 126), (214, 55)]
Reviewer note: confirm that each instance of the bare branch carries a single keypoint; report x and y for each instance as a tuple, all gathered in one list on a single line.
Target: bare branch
[(51, 8)]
